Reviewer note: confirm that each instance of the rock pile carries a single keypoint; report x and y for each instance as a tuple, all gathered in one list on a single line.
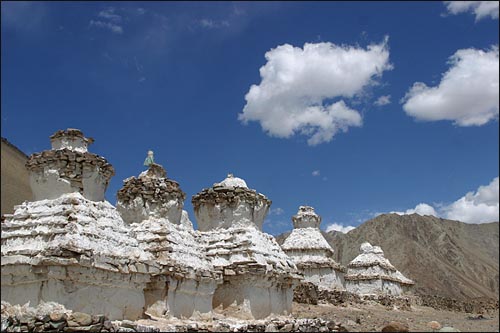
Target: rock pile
[(311, 252), (371, 273)]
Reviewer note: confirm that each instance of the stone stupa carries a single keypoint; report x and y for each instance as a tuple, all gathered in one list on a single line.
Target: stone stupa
[(258, 276), (311, 252), (371, 273)]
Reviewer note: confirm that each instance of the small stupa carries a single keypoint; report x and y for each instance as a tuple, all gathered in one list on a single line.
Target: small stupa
[(150, 195), (372, 273), (68, 167), (258, 276), (311, 252), (70, 245)]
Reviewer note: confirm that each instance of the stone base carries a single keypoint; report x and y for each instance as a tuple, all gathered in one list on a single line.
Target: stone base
[(84, 289), (324, 277), (252, 297), (376, 286)]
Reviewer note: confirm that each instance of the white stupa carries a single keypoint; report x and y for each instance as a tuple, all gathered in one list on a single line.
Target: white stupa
[(311, 252), (371, 273), (258, 276)]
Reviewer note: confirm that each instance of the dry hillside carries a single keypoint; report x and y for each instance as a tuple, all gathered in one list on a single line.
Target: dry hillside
[(15, 177)]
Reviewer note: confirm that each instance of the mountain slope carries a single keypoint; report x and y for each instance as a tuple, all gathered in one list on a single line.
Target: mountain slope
[(444, 257)]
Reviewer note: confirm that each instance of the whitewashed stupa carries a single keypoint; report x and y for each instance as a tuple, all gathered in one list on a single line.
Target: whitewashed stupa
[(371, 273), (311, 252), (258, 276), (69, 245)]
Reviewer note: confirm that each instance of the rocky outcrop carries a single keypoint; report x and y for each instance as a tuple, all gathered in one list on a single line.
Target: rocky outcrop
[(371, 272), (311, 252)]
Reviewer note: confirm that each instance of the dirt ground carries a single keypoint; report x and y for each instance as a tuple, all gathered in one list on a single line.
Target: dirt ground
[(372, 317)]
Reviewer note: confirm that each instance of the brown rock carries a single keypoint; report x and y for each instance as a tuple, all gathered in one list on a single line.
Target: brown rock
[(434, 325), (58, 316), (81, 318), (394, 326)]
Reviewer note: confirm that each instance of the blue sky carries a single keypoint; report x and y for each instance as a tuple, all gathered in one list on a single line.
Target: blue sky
[(174, 78)]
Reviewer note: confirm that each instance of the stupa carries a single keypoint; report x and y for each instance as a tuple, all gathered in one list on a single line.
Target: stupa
[(70, 245), (151, 205), (371, 273), (311, 252), (258, 277)]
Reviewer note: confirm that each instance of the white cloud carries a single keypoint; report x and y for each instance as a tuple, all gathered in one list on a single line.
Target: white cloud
[(339, 227), (107, 25), (476, 207), (481, 9), (298, 85), (110, 15), (212, 24), (276, 211), (383, 100), (467, 94), (420, 209), (108, 19), (481, 206), (316, 173)]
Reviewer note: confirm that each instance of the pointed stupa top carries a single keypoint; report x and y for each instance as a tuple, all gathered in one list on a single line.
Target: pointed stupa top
[(306, 217), (232, 181)]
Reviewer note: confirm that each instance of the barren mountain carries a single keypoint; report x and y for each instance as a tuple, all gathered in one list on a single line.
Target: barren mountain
[(444, 257)]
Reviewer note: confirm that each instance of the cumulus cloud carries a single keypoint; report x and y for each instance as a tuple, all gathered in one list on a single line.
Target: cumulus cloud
[(339, 227), (467, 94), (383, 100), (420, 209), (298, 87), (481, 9), (480, 206), (316, 173)]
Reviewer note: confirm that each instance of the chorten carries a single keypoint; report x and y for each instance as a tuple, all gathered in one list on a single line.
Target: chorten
[(311, 252), (151, 195), (258, 276), (371, 273), (68, 167), (70, 245)]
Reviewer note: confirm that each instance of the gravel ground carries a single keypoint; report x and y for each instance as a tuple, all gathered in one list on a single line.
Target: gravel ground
[(373, 317)]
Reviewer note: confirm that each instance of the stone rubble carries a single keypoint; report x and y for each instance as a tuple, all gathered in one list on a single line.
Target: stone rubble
[(311, 252)]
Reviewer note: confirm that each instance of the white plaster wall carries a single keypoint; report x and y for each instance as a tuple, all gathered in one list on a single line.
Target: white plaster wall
[(210, 216), (48, 185), (253, 299), (188, 297), (364, 287), (94, 185), (73, 143), (138, 210), (86, 290), (391, 288), (371, 270), (324, 277)]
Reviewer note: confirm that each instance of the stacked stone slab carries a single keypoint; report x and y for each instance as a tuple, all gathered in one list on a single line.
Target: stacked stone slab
[(371, 273), (152, 205), (70, 246), (311, 252), (258, 276)]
